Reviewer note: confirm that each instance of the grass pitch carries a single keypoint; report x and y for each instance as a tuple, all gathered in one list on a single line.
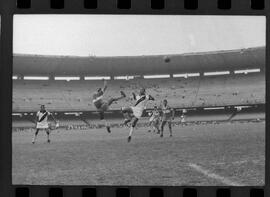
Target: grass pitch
[(212, 154)]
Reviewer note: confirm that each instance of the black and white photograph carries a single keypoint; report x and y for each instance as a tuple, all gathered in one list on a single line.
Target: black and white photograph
[(160, 100)]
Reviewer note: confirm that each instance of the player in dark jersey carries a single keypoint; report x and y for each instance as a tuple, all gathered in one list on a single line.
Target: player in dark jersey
[(102, 105), (134, 113), (167, 117)]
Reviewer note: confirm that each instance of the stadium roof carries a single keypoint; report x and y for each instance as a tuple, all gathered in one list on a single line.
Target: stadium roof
[(37, 65)]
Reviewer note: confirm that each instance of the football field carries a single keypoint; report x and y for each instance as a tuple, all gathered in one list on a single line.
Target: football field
[(211, 154)]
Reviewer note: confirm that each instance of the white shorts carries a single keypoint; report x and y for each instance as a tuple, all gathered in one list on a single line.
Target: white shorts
[(137, 111), (42, 125)]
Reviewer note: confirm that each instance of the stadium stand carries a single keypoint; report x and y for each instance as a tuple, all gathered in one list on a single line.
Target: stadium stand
[(248, 58), (233, 89), (246, 116), (211, 117)]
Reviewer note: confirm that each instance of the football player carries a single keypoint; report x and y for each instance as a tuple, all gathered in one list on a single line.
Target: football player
[(102, 105), (42, 123), (134, 113)]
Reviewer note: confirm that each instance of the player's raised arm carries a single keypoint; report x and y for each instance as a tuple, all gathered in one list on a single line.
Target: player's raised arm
[(104, 85)]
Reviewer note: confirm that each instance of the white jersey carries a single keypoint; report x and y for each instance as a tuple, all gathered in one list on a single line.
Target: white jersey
[(141, 101), (140, 105), (42, 119)]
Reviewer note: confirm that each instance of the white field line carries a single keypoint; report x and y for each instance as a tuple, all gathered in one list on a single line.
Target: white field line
[(212, 175)]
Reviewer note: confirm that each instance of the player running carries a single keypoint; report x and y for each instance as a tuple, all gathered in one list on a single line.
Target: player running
[(102, 105), (42, 123), (154, 120), (167, 117), (134, 113)]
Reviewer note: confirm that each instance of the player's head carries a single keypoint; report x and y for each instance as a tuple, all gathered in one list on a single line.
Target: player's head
[(99, 90), (142, 91), (165, 102), (42, 108)]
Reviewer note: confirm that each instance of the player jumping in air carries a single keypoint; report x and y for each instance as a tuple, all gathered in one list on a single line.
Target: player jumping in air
[(42, 123), (167, 117), (102, 105), (134, 113), (154, 120)]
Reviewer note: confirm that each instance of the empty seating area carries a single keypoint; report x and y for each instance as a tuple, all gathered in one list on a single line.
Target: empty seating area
[(222, 90)]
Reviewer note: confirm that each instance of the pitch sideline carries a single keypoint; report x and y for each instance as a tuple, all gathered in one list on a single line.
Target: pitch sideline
[(212, 175)]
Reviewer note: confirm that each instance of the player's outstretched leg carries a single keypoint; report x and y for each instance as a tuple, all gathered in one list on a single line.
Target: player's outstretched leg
[(35, 136), (126, 121), (162, 128), (133, 124), (126, 111), (48, 135), (156, 127), (111, 100), (101, 115), (151, 127), (170, 127)]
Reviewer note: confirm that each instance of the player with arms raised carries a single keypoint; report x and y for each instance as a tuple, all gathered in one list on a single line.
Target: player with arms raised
[(42, 123), (134, 113), (102, 105), (167, 117)]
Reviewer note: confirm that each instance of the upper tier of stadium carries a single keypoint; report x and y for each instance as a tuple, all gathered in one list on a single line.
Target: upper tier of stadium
[(204, 91), (37, 65)]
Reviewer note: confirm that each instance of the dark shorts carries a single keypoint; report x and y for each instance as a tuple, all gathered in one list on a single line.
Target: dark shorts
[(169, 120), (103, 107)]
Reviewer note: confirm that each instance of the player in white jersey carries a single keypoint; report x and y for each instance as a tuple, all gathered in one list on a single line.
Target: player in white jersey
[(42, 123), (154, 120), (134, 113)]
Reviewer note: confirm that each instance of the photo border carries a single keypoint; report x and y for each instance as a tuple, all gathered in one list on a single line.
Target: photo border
[(172, 7)]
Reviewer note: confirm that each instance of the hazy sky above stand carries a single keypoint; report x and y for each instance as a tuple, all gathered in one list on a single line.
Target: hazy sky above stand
[(131, 35)]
